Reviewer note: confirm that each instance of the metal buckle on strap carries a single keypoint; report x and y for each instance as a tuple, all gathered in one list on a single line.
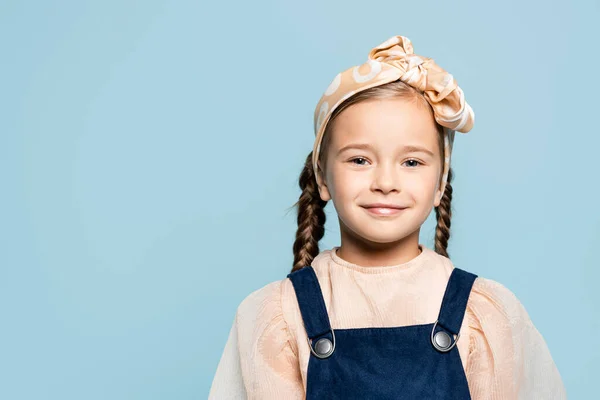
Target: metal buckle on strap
[(323, 347), (442, 340)]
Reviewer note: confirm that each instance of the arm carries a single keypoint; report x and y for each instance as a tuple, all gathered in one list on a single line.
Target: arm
[(508, 357), (228, 383), (258, 361)]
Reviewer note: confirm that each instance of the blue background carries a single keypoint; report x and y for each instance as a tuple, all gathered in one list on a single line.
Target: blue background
[(150, 152)]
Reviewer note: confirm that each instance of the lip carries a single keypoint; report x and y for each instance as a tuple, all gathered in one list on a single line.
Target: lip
[(383, 209), (383, 205)]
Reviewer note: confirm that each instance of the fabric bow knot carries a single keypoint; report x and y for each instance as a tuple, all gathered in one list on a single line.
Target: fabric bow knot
[(439, 87)]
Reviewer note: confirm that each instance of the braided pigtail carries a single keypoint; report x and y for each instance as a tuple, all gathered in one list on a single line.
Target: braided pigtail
[(443, 215), (311, 218)]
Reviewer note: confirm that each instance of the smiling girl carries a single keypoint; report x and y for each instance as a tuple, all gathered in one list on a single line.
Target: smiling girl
[(383, 316)]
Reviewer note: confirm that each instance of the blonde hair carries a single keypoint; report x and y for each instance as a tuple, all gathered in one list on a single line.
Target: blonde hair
[(311, 214)]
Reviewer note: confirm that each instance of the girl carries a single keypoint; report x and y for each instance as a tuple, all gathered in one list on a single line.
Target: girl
[(382, 316)]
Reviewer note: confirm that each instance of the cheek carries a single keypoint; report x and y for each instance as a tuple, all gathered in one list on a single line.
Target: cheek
[(422, 186), (345, 183)]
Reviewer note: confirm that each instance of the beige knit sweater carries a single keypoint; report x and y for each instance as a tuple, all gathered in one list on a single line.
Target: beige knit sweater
[(266, 355)]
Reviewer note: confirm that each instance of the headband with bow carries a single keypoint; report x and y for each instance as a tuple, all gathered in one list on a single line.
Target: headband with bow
[(394, 60)]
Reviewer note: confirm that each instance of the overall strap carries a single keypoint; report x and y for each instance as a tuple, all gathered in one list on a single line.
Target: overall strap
[(310, 300), (455, 299)]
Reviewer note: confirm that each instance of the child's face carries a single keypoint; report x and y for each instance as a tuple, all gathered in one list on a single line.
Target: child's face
[(386, 172)]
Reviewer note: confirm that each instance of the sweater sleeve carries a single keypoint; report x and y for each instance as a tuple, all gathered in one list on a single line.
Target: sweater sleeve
[(259, 361), (508, 357)]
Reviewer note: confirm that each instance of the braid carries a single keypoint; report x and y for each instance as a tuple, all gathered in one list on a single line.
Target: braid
[(311, 218), (443, 214)]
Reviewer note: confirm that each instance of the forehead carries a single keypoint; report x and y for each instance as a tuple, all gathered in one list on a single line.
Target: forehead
[(386, 123)]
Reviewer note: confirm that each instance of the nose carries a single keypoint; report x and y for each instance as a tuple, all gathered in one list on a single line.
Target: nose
[(387, 178)]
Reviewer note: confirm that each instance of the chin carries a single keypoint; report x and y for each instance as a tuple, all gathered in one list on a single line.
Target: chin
[(381, 236), (382, 239)]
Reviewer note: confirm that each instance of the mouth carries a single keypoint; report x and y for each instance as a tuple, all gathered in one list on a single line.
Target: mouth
[(384, 211)]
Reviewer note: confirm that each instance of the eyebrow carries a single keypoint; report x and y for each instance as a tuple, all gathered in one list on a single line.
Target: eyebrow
[(366, 146)]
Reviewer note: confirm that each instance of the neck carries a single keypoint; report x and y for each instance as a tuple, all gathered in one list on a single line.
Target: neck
[(371, 254)]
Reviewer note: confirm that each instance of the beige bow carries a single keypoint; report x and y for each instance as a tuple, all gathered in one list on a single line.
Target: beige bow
[(439, 87)]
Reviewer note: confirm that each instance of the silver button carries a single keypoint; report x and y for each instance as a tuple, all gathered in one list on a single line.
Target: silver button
[(442, 340), (324, 347)]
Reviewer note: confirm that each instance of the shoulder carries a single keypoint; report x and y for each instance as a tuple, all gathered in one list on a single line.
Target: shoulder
[(490, 297), (274, 302), (263, 301), (497, 320)]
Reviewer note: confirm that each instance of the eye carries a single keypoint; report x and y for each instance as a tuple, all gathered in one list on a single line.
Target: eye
[(416, 161), (356, 159)]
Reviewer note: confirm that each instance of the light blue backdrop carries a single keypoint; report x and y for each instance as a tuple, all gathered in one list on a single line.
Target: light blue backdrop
[(150, 151)]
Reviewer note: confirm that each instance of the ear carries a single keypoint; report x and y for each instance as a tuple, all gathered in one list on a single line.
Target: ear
[(438, 197), (323, 190)]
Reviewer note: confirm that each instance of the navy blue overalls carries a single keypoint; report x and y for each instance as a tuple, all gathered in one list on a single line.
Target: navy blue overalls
[(405, 362)]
